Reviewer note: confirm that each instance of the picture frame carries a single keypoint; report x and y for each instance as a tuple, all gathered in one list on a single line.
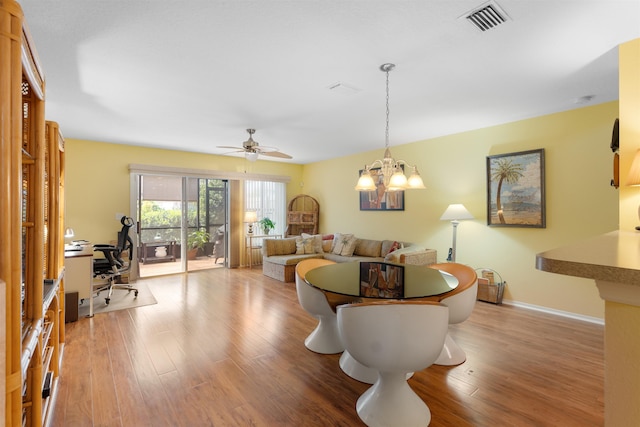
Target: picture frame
[(516, 189), (380, 200)]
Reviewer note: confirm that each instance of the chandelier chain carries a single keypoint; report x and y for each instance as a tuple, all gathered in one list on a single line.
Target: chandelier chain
[(386, 135)]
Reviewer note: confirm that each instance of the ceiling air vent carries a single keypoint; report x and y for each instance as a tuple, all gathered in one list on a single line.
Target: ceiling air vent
[(487, 16)]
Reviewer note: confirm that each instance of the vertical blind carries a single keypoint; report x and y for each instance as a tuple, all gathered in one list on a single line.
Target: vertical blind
[(269, 199)]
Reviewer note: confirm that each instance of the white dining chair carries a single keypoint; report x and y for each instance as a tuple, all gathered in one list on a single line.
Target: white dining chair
[(394, 338), (325, 338), (461, 302)]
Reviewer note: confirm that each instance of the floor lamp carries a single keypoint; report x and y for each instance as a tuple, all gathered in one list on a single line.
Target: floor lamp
[(455, 213)]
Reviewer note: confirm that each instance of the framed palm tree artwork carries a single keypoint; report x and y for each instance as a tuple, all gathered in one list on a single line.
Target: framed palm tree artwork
[(515, 189)]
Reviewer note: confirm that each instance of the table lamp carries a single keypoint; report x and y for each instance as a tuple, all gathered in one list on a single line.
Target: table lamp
[(455, 213), (250, 217)]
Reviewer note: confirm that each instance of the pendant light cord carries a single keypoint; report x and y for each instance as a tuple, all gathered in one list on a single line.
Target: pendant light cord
[(386, 135), (387, 68)]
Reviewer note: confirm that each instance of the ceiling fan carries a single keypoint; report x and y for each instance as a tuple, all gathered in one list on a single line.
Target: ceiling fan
[(252, 149)]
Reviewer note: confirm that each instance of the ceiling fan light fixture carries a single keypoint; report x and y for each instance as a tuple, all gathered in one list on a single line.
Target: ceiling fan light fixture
[(251, 156), (251, 149)]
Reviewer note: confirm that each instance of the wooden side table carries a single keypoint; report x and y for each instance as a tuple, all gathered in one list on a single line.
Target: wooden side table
[(170, 257), (254, 241)]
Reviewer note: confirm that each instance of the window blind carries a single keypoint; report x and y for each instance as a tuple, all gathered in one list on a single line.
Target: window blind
[(269, 199)]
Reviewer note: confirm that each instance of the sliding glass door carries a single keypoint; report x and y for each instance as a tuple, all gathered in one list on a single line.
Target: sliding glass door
[(182, 224)]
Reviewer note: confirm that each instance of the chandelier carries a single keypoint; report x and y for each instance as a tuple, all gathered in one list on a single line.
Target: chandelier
[(393, 176)]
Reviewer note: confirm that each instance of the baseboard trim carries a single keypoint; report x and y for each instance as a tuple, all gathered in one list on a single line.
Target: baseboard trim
[(555, 312)]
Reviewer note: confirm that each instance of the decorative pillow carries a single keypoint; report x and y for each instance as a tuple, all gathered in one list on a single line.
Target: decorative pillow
[(394, 247), (327, 244), (344, 244), (317, 242), (304, 246), (395, 255)]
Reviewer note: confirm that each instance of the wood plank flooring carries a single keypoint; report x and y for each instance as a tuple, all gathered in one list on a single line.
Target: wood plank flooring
[(225, 348)]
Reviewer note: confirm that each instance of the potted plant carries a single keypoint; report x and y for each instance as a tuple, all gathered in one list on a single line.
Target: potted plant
[(267, 225), (196, 241)]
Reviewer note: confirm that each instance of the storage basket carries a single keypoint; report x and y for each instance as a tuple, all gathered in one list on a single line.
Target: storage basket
[(490, 286)]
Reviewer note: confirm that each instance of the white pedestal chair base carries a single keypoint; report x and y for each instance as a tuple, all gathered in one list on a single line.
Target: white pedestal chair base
[(451, 354), (358, 371), (392, 402), (325, 338)]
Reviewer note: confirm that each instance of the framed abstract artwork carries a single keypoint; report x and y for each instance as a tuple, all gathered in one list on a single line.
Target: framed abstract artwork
[(515, 189), (380, 200)]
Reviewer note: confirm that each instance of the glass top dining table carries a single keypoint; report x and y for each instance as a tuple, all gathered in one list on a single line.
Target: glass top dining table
[(349, 282)]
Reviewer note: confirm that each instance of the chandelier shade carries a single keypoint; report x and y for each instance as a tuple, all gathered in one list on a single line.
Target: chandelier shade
[(391, 170)]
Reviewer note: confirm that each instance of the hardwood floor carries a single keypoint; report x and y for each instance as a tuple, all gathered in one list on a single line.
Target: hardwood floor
[(225, 348)]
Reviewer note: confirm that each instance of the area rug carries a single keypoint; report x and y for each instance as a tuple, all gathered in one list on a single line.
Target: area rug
[(120, 300)]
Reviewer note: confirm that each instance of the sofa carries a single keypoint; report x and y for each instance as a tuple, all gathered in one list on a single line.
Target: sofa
[(280, 256)]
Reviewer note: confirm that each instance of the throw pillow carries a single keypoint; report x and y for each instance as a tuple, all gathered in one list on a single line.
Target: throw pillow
[(395, 255), (317, 242), (349, 246), (344, 244), (394, 247), (304, 246)]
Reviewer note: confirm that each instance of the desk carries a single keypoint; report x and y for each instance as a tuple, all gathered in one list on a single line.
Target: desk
[(79, 273), (342, 284), (253, 241)]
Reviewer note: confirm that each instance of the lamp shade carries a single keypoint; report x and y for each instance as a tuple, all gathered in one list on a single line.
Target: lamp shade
[(68, 233), (365, 182), (251, 216), (634, 173), (456, 212)]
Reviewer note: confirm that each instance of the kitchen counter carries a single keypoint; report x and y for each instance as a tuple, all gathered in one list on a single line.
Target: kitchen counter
[(613, 261)]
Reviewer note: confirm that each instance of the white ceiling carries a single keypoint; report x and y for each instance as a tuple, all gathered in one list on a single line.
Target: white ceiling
[(192, 75)]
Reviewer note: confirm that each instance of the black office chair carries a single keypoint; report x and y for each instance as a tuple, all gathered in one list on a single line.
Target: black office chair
[(108, 270)]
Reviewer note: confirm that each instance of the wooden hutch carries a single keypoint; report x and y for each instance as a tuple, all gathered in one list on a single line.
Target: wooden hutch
[(31, 230), (303, 214)]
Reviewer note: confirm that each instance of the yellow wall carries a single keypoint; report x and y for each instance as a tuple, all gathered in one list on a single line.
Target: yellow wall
[(97, 180), (580, 202), (629, 57)]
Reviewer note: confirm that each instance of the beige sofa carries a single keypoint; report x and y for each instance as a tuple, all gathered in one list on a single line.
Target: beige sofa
[(280, 256)]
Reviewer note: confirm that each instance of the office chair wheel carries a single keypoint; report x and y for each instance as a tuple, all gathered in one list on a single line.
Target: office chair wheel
[(135, 293), (106, 300)]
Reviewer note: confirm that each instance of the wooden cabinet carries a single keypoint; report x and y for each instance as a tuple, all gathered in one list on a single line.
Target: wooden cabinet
[(31, 245), (302, 215)]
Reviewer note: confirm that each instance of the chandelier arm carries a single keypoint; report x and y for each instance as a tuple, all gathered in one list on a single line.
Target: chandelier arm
[(375, 163), (404, 162)]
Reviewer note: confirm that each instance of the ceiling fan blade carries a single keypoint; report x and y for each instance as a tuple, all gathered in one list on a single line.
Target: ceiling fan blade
[(230, 147), (276, 154)]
